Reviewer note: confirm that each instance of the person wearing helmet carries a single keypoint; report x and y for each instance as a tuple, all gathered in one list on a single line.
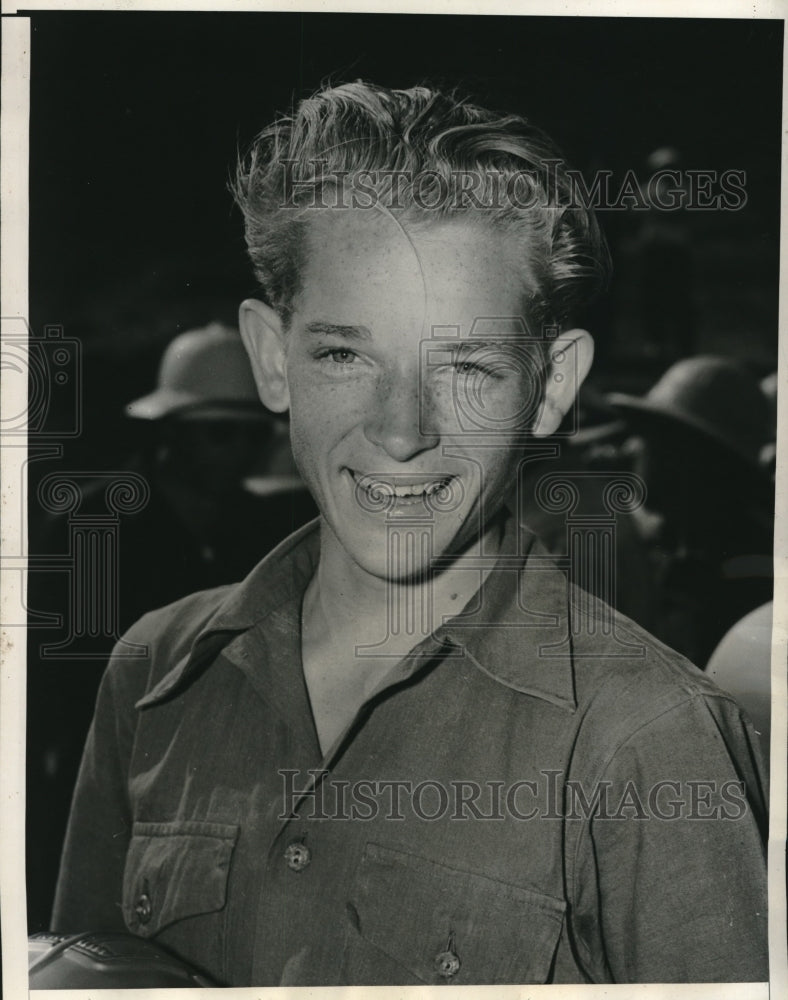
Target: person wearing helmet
[(404, 750), (742, 664), (707, 523), (222, 492), (207, 434)]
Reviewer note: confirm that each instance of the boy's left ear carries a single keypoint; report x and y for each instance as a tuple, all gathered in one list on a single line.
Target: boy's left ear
[(571, 354)]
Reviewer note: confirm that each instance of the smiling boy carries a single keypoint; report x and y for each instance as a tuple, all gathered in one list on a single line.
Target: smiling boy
[(404, 750)]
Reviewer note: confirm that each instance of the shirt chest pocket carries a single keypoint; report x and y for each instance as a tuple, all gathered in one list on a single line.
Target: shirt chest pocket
[(417, 921), (175, 887)]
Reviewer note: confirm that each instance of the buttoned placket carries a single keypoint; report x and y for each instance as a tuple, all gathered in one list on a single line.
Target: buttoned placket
[(400, 672), (293, 853)]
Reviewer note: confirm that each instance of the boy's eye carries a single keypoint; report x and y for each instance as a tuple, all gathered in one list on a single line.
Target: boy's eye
[(487, 361), (340, 355), (476, 368)]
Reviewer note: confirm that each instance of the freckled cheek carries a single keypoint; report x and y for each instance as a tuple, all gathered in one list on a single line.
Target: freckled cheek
[(439, 410), (322, 416)]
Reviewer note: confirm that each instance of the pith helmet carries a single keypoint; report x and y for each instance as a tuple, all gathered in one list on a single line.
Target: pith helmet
[(203, 373), (710, 395)]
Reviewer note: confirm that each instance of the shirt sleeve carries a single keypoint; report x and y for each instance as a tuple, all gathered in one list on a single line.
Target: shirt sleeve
[(671, 872), (89, 890)]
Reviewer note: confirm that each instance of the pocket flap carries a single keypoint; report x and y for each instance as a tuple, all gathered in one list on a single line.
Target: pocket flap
[(443, 924), (175, 870)]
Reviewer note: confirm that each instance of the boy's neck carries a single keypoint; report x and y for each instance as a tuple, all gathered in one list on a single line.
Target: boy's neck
[(347, 601)]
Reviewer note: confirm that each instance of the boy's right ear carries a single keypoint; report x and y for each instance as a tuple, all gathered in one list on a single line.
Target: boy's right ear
[(264, 340)]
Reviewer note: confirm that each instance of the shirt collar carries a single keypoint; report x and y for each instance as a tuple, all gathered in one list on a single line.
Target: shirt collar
[(516, 630), (277, 582)]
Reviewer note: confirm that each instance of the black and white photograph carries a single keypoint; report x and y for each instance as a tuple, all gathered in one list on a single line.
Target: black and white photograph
[(394, 558)]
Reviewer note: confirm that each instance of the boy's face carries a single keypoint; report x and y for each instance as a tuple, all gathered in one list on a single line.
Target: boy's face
[(403, 406)]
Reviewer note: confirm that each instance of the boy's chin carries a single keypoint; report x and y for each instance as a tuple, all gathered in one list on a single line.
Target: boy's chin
[(394, 570), (403, 556)]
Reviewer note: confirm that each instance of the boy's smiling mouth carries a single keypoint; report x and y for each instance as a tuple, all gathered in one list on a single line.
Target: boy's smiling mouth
[(398, 488)]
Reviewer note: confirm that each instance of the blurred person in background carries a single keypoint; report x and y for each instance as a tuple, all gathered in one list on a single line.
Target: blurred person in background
[(741, 665), (769, 450), (209, 441), (223, 491), (656, 313), (589, 458), (708, 518), (664, 266)]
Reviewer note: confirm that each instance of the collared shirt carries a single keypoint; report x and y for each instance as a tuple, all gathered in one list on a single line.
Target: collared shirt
[(539, 792)]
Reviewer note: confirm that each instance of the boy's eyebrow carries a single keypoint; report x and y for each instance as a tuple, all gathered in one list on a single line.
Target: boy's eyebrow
[(512, 344), (339, 330)]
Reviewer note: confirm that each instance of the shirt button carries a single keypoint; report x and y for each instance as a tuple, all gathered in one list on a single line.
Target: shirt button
[(447, 964), (297, 856), (143, 908)]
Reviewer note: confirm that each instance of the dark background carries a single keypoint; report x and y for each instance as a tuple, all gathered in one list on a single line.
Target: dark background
[(136, 120)]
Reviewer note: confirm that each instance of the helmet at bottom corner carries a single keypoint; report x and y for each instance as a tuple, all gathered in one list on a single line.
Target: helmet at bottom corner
[(105, 960)]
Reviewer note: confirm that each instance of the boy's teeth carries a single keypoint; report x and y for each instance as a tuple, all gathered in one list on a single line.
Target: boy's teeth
[(414, 489)]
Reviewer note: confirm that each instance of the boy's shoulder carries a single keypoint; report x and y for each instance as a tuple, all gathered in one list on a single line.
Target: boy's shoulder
[(158, 641), (162, 639), (631, 682), (172, 629), (538, 632)]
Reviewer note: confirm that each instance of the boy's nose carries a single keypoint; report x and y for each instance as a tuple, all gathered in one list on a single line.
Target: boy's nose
[(402, 422)]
